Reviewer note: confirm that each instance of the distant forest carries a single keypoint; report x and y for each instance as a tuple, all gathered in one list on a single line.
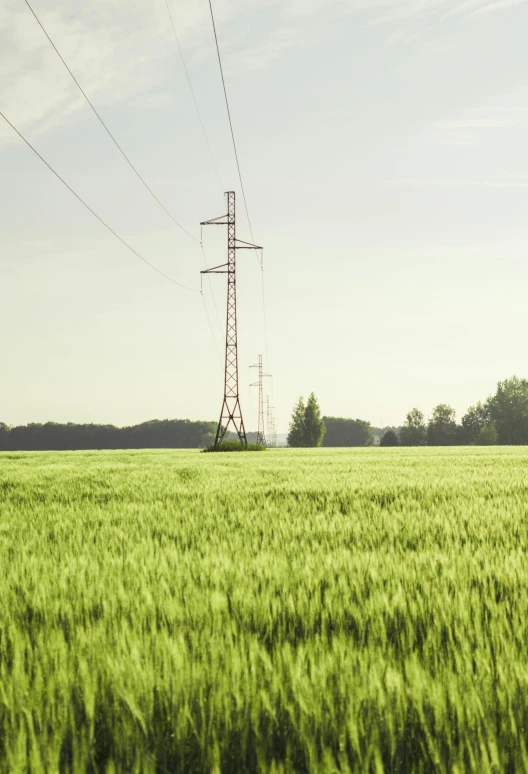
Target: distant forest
[(347, 432), (502, 419), (156, 434)]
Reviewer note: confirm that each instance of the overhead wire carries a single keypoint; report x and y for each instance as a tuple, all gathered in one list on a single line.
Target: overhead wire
[(211, 329), (189, 82), (145, 184), (240, 172), (106, 127), (230, 121), (264, 310), (191, 89), (193, 94), (148, 263), (129, 162), (211, 287)]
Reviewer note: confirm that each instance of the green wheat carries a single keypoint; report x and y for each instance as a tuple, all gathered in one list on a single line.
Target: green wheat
[(295, 611)]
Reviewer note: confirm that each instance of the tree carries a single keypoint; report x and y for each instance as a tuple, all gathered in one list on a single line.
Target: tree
[(296, 434), (487, 435), (314, 427), (389, 439), (306, 426), (442, 428), (347, 432), (413, 431), (475, 418), (508, 409), (4, 437)]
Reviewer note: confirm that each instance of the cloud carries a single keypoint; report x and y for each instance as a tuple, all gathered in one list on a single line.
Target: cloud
[(506, 182), (259, 57), (468, 9), (386, 11), (498, 5), (123, 50), (460, 139), (396, 37), (119, 50), (475, 128), (483, 122), (113, 53)]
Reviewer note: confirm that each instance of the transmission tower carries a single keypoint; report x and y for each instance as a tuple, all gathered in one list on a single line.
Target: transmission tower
[(231, 413), (271, 434), (261, 436)]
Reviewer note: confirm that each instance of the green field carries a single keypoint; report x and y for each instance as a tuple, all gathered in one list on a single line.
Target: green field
[(293, 611)]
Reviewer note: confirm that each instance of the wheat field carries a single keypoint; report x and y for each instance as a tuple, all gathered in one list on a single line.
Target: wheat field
[(292, 611)]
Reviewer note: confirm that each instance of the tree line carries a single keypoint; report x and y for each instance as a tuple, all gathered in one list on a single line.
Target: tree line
[(309, 429), (156, 434), (502, 419)]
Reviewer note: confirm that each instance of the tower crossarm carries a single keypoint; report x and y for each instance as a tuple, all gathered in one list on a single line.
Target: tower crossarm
[(222, 220), (222, 269), (246, 245)]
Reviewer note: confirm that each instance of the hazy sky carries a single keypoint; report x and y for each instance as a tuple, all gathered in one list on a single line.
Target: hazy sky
[(384, 148)]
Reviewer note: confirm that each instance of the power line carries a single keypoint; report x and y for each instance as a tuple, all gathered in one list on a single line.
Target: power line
[(239, 171), (264, 307), (230, 121), (211, 329), (193, 95), (166, 276), (106, 127), (35, 151), (211, 288)]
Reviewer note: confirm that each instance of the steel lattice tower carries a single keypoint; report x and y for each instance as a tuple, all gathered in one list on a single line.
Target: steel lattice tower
[(268, 421), (231, 413), (261, 436), (271, 435)]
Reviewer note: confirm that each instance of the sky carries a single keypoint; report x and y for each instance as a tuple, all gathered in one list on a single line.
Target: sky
[(384, 153)]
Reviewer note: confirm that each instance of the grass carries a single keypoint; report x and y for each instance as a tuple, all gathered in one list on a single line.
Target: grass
[(298, 611), (235, 446)]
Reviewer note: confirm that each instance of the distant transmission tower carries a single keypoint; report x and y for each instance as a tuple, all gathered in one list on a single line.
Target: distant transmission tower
[(271, 433), (231, 412), (261, 436)]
